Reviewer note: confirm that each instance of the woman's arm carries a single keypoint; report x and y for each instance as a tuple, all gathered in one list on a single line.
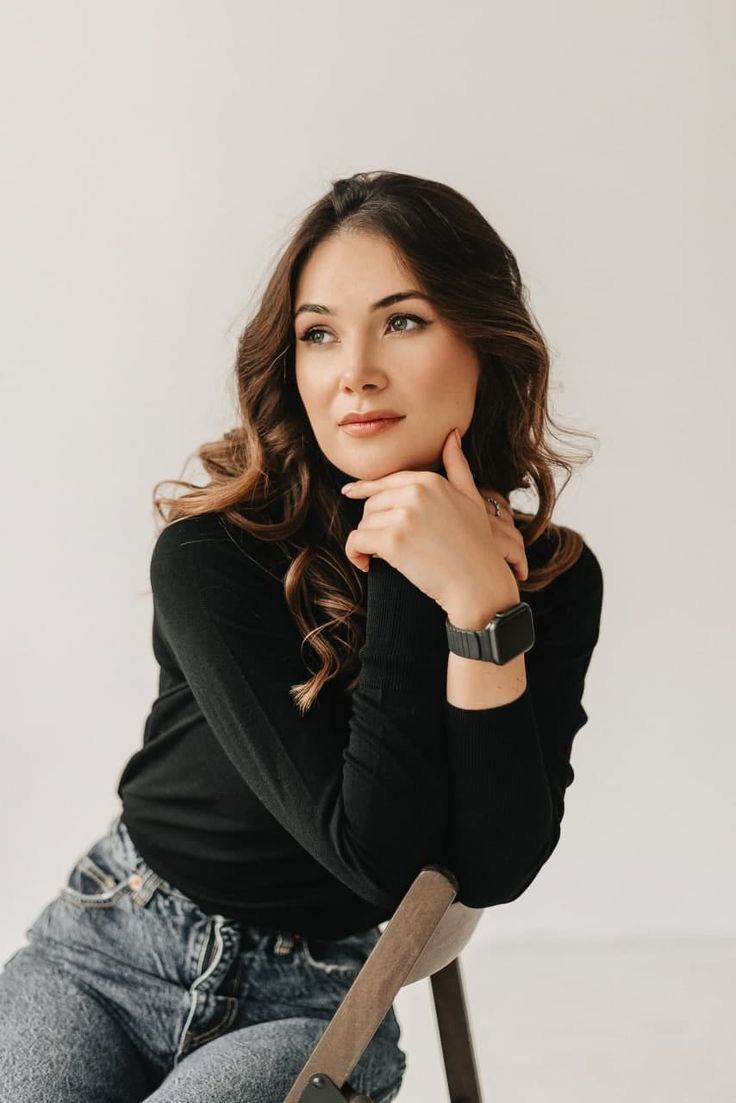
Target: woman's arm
[(369, 805), (510, 763), (475, 683)]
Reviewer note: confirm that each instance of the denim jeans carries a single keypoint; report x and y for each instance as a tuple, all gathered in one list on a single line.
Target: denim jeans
[(126, 990)]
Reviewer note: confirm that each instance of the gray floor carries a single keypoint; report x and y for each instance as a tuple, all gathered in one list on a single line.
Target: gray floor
[(641, 1020)]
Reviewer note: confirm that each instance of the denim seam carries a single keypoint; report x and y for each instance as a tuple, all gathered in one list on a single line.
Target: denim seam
[(94, 900), (163, 885), (203, 950), (233, 1002), (328, 966), (223, 1024), (88, 866), (169, 890), (131, 851), (216, 926)]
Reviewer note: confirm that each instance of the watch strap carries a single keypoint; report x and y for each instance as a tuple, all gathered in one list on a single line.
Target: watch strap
[(491, 643)]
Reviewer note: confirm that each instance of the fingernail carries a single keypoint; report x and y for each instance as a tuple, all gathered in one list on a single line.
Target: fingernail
[(458, 438), (347, 488)]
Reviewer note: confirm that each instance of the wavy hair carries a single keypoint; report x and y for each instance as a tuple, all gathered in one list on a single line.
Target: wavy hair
[(267, 475)]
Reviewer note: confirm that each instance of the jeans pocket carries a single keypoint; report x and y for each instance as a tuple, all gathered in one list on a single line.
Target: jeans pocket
[(100, 876)]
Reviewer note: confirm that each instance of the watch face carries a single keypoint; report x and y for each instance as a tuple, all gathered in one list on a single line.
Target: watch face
[(514, 634)]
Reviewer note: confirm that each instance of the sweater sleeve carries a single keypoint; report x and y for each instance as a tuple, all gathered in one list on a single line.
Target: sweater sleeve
[(510, 765), (373, 810)]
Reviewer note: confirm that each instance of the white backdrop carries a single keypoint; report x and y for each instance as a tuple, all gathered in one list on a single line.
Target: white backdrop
[(156, 157)]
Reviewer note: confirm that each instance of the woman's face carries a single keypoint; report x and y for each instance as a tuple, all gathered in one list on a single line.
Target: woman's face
[(352, 357)]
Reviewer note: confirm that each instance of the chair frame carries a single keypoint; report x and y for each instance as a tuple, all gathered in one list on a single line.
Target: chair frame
[(422, 939)]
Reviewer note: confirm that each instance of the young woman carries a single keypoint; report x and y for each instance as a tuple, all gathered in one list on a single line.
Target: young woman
[(321, 730)]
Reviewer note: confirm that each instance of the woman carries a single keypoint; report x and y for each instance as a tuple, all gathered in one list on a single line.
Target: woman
[(317, 737)]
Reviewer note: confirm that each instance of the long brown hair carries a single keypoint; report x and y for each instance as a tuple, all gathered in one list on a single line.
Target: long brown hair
[(270, 465)]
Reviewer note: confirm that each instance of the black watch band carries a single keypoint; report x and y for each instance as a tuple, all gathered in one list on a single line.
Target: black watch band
[(507, 635)]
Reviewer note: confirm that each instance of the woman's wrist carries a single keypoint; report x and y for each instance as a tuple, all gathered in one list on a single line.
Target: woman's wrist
[(473, 608)]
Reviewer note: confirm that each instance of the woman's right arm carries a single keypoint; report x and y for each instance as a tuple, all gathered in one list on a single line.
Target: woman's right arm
[(370, 806)]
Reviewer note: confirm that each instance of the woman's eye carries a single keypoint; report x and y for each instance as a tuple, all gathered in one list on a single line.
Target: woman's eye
[(320, 329)]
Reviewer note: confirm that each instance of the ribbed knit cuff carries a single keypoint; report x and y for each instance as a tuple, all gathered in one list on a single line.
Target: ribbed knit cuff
[(405, 640)]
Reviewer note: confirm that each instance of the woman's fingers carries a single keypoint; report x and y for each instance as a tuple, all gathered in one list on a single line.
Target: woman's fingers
[(487, 493), (509, 540)]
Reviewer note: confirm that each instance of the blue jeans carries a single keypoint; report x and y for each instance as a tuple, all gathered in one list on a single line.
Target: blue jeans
[(126, 990)]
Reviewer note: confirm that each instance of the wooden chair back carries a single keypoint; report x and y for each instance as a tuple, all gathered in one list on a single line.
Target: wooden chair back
[(423, 938)]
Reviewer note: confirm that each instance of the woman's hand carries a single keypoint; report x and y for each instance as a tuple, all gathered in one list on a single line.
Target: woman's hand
[(437, 531), (508, 537)]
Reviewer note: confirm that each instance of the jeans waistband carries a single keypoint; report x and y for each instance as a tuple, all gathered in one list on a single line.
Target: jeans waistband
[(145, 881)]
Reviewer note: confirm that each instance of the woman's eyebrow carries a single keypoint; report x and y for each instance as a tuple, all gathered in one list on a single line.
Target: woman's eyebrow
[(397, 297)]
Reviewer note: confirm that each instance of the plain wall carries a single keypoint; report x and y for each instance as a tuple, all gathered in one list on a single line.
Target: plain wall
[(156, 159)]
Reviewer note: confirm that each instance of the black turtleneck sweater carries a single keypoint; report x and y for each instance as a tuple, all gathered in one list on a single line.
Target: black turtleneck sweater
[(319, 824)]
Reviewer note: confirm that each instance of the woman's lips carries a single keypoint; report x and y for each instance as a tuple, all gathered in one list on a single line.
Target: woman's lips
[(370, 428)]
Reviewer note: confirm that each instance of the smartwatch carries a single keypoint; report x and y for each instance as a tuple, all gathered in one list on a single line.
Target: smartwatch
[(507, 635)]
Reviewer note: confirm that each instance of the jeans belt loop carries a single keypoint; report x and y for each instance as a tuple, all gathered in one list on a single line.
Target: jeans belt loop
[(144, 888), (285, 942)]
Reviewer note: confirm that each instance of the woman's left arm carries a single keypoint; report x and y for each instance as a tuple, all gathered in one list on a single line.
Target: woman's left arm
[(509, 729), (510, 763)]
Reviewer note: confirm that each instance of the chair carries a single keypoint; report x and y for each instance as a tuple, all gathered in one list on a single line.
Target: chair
[(423, 938)]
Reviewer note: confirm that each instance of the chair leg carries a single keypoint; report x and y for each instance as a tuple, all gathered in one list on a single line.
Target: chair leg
[(455, 1037)]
